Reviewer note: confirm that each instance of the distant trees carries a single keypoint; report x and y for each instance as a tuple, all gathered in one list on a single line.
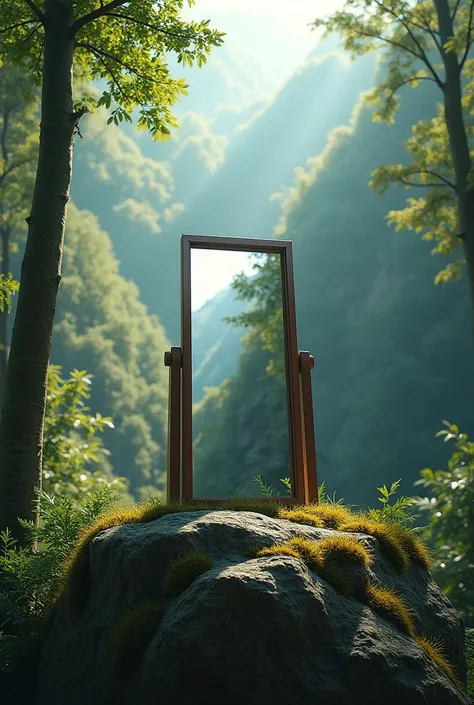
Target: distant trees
[(102, 326), (125, 45), (425, 41)]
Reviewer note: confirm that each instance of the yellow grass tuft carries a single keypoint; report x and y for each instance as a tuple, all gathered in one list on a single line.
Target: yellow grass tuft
[(327, 516), (338, 559), (183, 571), (389, 604), (387, 536), (344, 548), (435, 653), (414, 546), (130, 638), (278, 549)]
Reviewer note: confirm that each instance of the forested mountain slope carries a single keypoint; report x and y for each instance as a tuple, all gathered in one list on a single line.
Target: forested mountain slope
[(381, 333), (232, 187), (102, 327)]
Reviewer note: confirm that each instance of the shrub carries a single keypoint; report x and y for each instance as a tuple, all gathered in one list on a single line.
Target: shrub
[(447, 507)]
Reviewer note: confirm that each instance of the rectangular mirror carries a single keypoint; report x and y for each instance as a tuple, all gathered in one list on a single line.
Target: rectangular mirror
[(241, 423)]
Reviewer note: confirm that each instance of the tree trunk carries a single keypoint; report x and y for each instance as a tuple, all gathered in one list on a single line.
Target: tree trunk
[(22, 420), (5, 237), (458, 142)]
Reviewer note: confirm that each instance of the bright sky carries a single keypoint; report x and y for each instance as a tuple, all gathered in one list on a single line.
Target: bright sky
[(212, 271)]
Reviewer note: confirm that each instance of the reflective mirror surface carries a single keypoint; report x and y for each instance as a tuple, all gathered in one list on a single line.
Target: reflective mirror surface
[(239, 390)]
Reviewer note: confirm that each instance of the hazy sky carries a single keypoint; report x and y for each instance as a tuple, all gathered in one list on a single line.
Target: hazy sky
[(292, 15), (287, 39), (212, 271)]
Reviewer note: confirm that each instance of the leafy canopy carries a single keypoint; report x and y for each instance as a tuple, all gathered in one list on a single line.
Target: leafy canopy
[(123, 45), (415, 49), (448, 508)]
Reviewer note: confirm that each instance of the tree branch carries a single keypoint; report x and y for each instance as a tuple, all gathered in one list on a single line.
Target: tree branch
[(106, 54), (150, 26), (12, 168), (469, 38), (444, 184), (95, 14), (108, 69), (422, 56), (393, 43), (18, 24), (4, 135), (455, 12), (410, 80), (36, 10)]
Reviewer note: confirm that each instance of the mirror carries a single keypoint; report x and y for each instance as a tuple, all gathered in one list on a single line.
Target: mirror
[(240, 417)]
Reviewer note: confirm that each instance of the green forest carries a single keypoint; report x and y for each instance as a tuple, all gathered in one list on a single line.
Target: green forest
[(124, 125)]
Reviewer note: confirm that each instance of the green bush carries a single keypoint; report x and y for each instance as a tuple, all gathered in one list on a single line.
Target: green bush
[(448, 509), (30, 580), (75, 460)]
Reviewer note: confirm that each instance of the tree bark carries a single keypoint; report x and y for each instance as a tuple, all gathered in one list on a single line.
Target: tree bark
[(458, 141), (22, 420), (5, 244)]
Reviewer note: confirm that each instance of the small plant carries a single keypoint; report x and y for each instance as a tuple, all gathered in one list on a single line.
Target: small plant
[(267, 490), (130, 638), (183, 571), (393, 512)]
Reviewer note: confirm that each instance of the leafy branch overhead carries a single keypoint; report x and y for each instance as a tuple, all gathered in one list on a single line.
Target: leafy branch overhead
[(427, 42), (122, 44)]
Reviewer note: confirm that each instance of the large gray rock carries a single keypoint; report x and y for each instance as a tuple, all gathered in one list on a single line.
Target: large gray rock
[(265, 630)]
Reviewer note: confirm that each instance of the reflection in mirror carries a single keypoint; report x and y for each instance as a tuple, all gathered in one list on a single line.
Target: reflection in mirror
[(240, 410)]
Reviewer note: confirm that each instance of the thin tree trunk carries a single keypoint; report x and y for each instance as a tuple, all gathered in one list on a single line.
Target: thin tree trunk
[(5, 244), (21, 426), (458, 141)]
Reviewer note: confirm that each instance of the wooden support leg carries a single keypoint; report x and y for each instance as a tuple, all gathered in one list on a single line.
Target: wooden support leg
[(173, 360), (309, 447)]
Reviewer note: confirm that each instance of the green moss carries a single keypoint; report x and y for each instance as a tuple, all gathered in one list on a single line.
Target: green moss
[(75, 585), (435, 653), (390, 605), (183, 571), (130, 638)]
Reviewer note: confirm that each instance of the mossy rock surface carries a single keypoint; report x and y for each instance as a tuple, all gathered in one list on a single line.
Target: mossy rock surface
[(242, 628)]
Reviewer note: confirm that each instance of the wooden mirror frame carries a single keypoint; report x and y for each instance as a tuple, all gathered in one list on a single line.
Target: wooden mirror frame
[(298, 366)]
